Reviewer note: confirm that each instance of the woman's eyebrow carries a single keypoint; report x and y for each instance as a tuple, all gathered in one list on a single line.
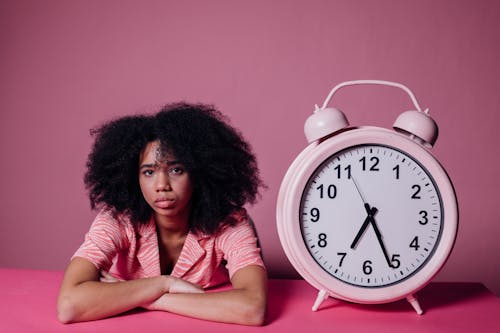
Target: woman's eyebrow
[(147, 166), (155, 165)]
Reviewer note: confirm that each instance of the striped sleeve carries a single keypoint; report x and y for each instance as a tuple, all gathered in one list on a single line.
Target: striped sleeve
[(239, 246), (103, 241)]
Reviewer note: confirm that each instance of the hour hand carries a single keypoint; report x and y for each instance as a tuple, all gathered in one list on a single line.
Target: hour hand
[(371, 212), (360, 232)]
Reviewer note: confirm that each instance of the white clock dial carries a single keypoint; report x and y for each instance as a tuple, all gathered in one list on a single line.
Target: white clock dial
[(371, 215)]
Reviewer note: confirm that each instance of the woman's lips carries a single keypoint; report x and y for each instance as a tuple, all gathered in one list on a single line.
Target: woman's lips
[(164, 203)]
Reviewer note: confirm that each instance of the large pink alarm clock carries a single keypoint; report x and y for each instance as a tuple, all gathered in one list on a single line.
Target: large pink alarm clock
[(367, 214)]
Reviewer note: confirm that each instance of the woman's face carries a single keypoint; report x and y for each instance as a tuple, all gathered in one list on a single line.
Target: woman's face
[(165, 184)]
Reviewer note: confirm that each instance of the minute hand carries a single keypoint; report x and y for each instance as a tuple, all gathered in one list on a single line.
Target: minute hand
[(379, 238)]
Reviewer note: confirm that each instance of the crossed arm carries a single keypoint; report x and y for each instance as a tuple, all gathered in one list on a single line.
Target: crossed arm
[(84, 297)]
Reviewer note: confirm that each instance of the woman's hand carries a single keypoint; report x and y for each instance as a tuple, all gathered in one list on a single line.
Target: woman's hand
[(176, 286), (180, 286), (244, 304), (106, 277)]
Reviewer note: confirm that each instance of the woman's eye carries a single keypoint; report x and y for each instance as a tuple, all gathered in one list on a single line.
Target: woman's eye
[(147, 172), (177, 170)]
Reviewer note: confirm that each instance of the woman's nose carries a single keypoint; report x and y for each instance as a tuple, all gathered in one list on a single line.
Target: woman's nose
[(163, 182)]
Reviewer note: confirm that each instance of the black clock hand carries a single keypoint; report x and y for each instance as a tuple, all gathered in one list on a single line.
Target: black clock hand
[(371, 212), (360, 232), (379, 238), (369, 220)]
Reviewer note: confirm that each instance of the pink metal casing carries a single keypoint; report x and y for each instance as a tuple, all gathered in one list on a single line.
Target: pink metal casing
[(324, 122), (419, 124)]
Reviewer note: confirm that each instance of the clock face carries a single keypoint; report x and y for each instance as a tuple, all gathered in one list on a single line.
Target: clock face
[(371, 215)]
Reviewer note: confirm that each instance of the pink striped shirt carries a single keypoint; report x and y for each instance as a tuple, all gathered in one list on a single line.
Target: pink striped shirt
[(130, 251)]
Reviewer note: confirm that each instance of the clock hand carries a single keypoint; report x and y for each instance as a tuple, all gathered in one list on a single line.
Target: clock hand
[(369, 220), (359, 191), (360, 232), (370, 212), (379, 238)]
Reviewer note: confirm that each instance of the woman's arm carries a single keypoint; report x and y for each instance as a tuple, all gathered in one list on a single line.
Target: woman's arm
[(82, 297), (244, 304)]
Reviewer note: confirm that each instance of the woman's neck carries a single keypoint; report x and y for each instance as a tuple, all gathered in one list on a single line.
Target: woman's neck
[(171, 228), (171, 235)]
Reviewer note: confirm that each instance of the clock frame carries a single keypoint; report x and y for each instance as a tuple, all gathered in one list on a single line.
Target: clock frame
[(339, 138)]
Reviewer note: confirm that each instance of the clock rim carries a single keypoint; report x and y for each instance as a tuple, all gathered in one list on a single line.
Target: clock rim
[(290, 234)]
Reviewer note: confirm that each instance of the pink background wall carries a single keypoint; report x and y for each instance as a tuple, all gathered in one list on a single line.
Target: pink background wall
[(66, 66)]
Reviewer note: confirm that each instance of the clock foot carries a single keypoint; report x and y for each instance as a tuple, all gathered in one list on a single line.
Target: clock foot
[(322, 295), (414, 303)]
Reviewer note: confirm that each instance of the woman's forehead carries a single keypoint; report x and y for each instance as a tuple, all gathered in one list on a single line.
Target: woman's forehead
[(154, 153)]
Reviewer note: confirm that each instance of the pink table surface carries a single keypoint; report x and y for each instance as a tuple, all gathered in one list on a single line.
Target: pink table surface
[(28, 304)]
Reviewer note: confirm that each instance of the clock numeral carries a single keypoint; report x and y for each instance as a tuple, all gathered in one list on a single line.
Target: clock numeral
[(322, 240), (395, 263), (367, 268), (424, 219), (374, 161), (417, 189), (396, 170), (347, 168), (342, 257), (314, 214), (331, 191), (414, 243)]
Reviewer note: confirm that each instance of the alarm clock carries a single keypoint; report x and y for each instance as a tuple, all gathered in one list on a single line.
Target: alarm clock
[(367, 214)]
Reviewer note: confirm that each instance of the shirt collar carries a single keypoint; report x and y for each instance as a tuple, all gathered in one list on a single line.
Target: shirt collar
[(191, 253)]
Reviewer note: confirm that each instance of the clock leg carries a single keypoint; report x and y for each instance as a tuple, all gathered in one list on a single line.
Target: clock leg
[(414, 303), (322, 295)]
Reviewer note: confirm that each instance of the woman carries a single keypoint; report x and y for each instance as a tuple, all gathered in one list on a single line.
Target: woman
[(170, 189)]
